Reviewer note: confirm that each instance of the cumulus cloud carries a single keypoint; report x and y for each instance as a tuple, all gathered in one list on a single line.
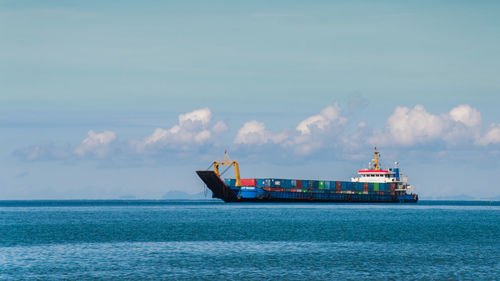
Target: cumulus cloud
[(328, 116), (411, 126), (193, 129), (408, 126), (318, 131), (97, 144), (311, 134), (492, 136), (254, 132), (466, 115)]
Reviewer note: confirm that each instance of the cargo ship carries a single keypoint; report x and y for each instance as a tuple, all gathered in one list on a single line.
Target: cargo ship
[(372, 185)]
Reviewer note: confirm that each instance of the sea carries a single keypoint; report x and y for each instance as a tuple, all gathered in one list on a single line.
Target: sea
[(211, 240)]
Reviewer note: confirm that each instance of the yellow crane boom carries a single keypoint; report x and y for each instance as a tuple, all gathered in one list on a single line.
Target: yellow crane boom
[(228, 162)]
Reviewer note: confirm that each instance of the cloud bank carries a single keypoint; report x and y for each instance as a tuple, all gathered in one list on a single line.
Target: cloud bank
[(323, 132)]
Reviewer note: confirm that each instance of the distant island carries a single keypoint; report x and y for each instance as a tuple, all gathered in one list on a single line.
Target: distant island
[(461, 197), (177, 194)]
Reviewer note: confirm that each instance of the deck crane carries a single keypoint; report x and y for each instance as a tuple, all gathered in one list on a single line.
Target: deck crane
[(228, 162)]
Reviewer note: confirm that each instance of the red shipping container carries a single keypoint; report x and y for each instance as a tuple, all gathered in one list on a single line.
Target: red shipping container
[(299, 183), (293, 190), (267, 188), (337, 187), (249, 182)]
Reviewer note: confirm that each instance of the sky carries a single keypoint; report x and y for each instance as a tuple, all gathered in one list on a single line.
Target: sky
[(108, 99)]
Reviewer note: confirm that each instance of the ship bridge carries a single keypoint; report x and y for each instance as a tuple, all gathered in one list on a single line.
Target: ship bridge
[(376, 175), (380, 176)]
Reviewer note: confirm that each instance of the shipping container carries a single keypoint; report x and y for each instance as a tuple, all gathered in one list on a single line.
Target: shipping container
[(305, 183), (230, 182), (264, 182), (338, 186), (287, 184), (321, 184), (299, 183), (276, 182), (249, 182), (375, 186)]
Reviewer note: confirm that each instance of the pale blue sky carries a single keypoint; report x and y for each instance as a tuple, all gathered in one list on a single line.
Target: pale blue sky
[(67, 67)]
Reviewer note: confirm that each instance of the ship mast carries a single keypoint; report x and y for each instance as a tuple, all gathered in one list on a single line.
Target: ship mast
[(375, 161)]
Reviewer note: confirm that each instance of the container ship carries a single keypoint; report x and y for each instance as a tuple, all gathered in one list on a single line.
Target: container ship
[(372, 185)]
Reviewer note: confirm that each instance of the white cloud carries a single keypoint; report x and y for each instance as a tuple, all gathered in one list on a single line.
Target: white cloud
[(191, 131), (96, 144), (219, 127), (327, 116), (416, 126), (318, 131), (203, 115), (255, 133), (492, 136), (310, 135), (466, 114), (409, 126)]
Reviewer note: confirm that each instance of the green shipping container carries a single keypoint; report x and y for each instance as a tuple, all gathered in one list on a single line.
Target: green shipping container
[(375, 186), (321, 184)]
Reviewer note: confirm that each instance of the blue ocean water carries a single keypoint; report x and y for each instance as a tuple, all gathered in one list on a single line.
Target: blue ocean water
[(210, 240)]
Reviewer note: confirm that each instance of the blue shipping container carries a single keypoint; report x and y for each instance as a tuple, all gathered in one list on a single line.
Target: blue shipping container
[(263, 182)]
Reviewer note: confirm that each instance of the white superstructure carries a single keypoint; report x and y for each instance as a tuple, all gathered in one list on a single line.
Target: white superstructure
[(374, 174)]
